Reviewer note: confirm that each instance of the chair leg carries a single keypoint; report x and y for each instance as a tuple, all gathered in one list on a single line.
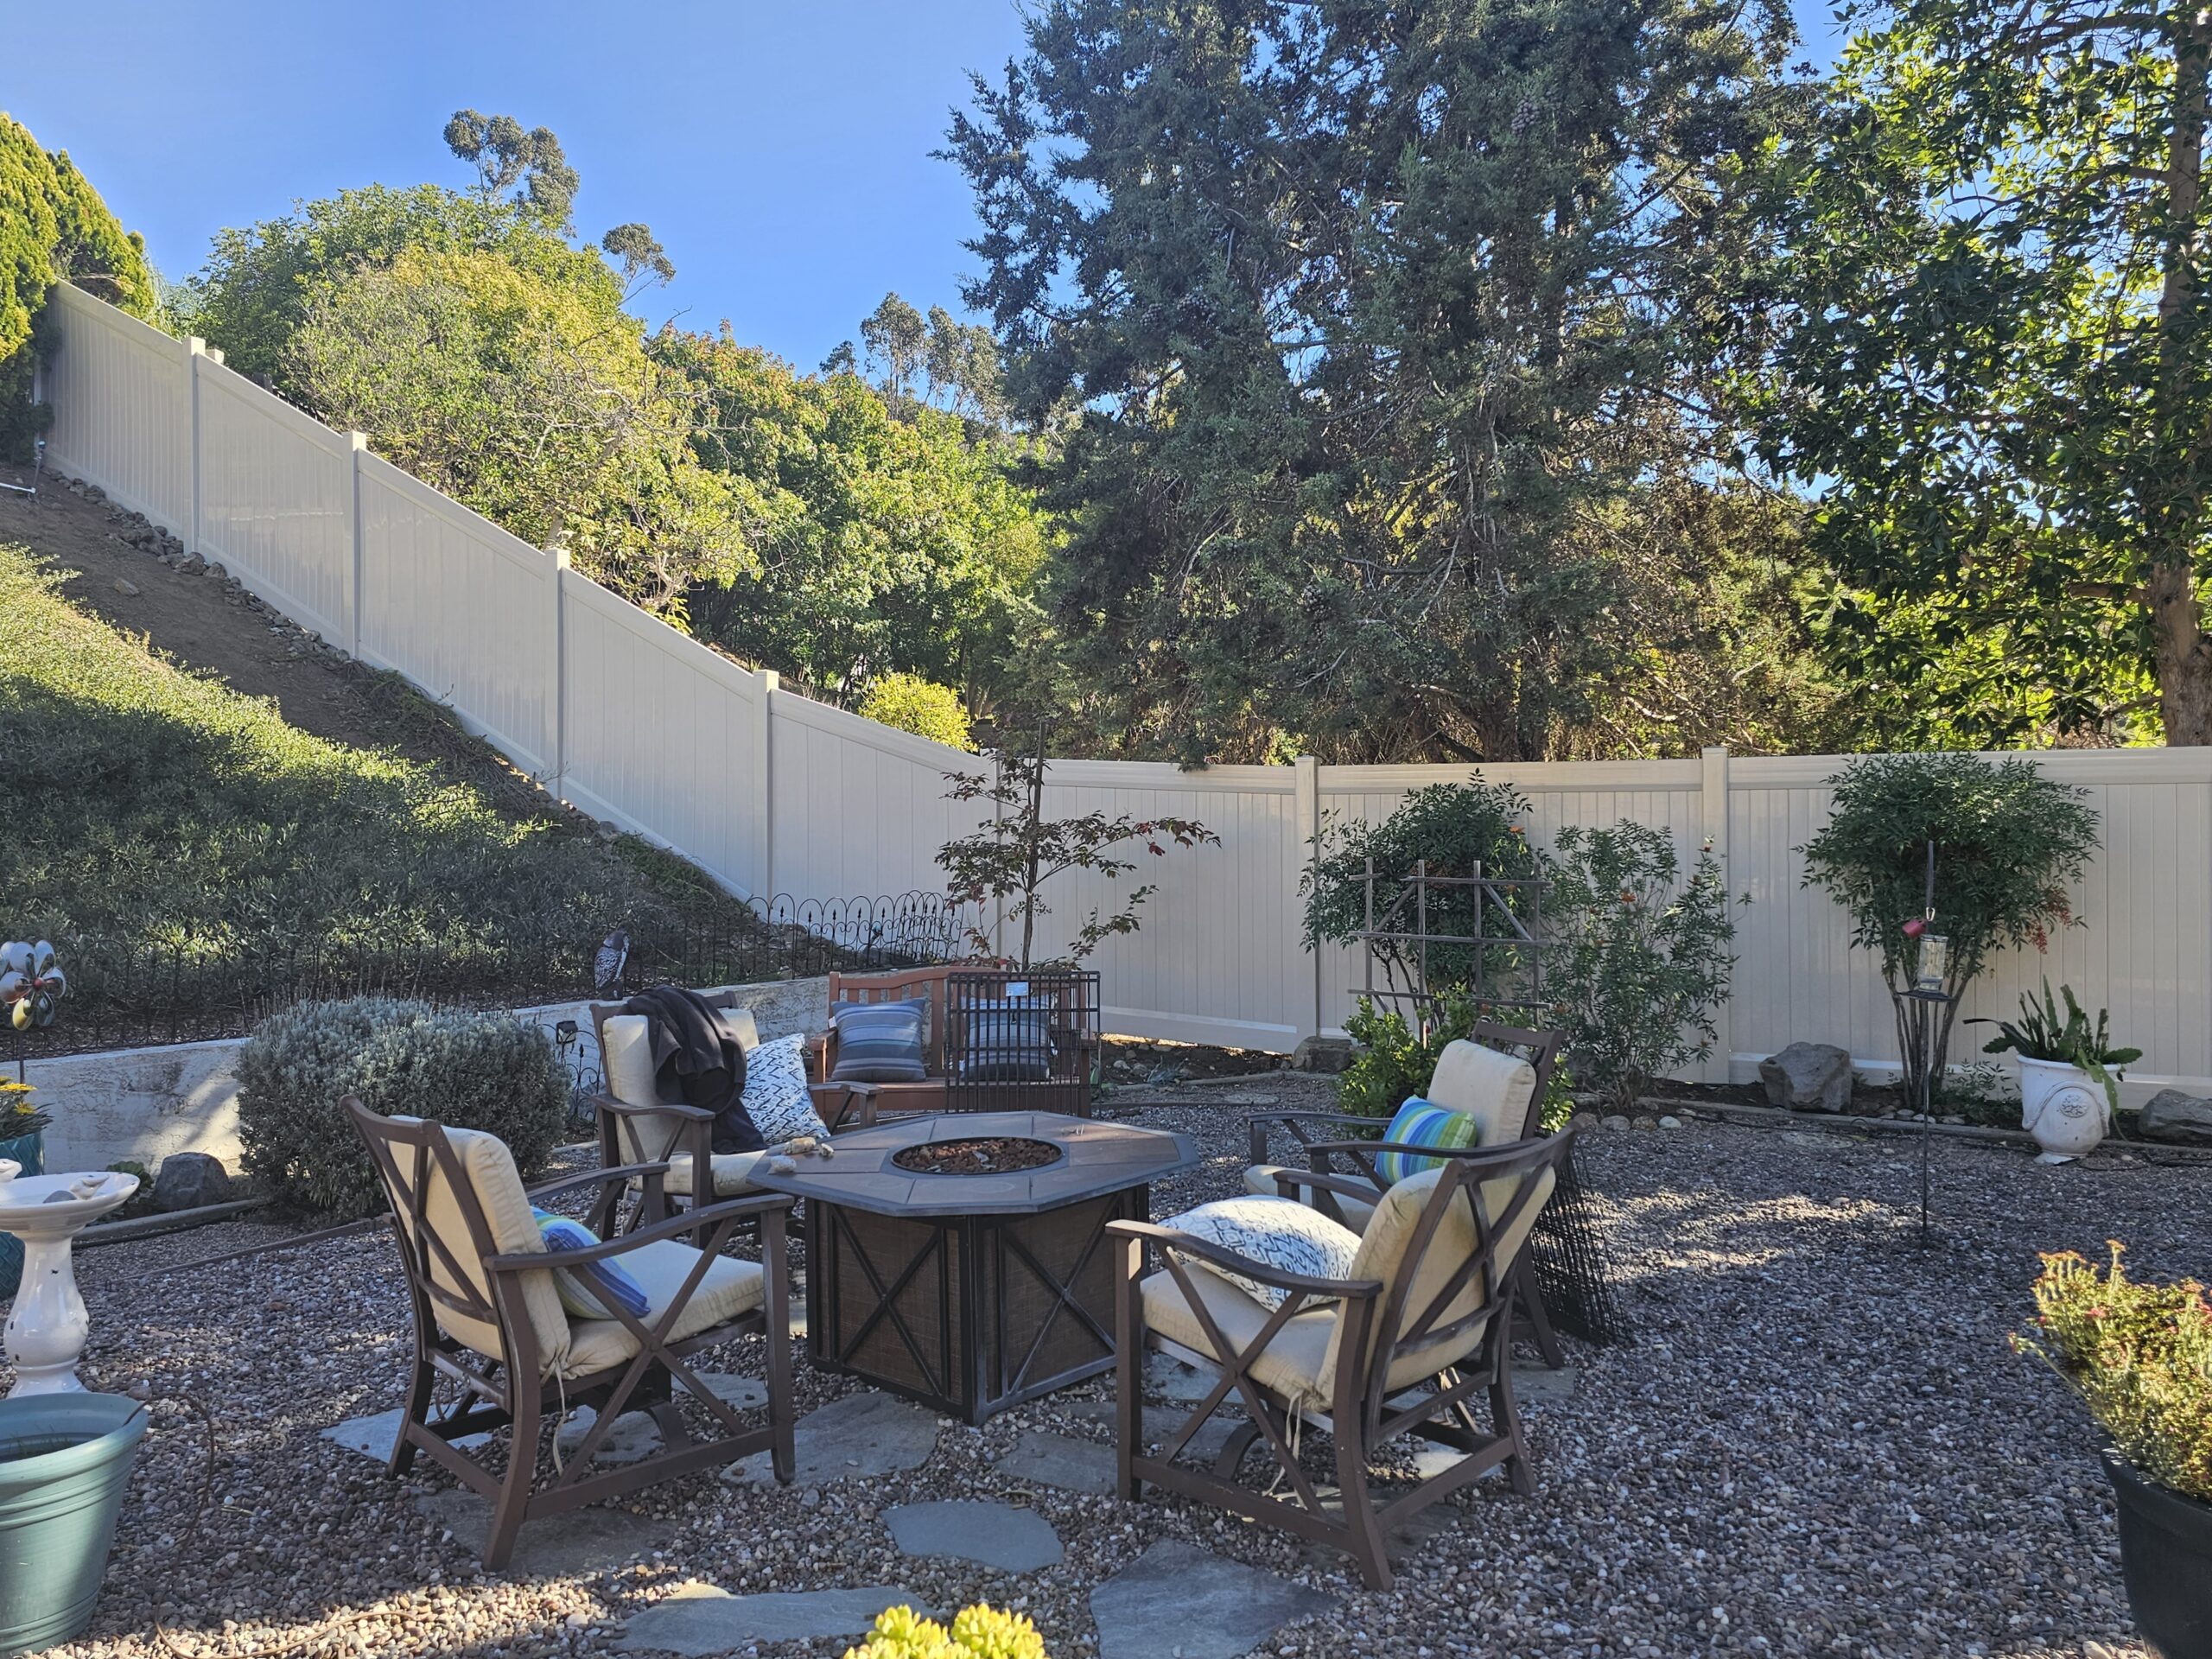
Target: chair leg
[(522, 1473), (419, 1388), (1531, 1301), (1128, 1368), (1364, 1535), (783, 1449), (1506, 1421)]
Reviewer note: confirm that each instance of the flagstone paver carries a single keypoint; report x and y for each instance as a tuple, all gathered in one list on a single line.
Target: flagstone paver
[(996, 1535), (700, 1619), (372, 1437), (590, 1540), (862, 1436), (1059, 1460), (1177, 1598)]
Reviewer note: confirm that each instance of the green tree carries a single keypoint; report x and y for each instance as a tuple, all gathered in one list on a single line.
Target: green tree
[(532, 402), (888, 544), (1995, 359), (505, 158), (907, 703), (1392, 333), (54, 228), (896, 341)]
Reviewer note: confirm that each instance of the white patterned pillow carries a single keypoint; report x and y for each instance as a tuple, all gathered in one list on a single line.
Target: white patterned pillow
[(776, 1096), (1281, 1232)]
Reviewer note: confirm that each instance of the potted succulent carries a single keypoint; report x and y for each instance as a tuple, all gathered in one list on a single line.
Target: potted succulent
[(2067, 1094), (2140, 1357)]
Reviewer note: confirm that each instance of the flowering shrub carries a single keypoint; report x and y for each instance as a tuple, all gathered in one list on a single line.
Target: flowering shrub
[(1641, 955), (978, 1632), (469, 1071), (1395, 1062), (2140, 1356)]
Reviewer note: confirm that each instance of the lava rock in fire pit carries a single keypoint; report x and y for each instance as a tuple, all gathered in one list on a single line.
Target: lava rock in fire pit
[(980, 1155)]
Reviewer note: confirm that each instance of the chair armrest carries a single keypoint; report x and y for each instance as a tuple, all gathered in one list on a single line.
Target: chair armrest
[(1509, 1152), (1352, 1186), (1256, 1125), (595, 1177), (691, 1222), (1243, 1266), (675, 1108)]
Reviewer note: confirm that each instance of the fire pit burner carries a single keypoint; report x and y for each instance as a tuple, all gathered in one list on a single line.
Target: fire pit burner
[(999, 1154)]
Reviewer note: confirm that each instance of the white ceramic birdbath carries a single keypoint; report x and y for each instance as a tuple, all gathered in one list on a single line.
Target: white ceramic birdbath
[(47, 1325)]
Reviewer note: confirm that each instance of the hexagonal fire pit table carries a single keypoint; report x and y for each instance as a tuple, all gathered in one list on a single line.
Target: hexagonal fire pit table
[(961, 1259)]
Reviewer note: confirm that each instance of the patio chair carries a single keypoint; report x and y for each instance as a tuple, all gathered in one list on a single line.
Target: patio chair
[(1503, 1091), (1402, 1346), (488, 1317), (639, 1125)]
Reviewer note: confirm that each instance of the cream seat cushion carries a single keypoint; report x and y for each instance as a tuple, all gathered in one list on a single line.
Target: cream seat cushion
[(1301, 1359), (730, 1287), (1259, 1181)]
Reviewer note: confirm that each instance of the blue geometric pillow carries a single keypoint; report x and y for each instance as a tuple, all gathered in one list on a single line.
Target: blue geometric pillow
[(580, 1288), (1423, 1123)]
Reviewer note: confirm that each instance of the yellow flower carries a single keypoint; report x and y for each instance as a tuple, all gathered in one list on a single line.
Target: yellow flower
[(8, 1086)]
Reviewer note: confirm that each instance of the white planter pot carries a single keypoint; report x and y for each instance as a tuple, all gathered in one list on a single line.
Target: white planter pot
[(2064, 1107)]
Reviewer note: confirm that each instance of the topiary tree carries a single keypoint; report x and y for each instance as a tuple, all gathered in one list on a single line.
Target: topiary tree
[(1457, 829), (467, 1070), (53, 227), (2008, 840), (907, 703)]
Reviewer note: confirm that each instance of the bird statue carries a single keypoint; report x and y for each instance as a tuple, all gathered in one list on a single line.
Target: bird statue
[(614, 956), (31, 982)]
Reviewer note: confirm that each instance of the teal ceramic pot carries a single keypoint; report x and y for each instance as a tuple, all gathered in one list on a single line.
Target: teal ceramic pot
[(30, 1151), (65, 1459)]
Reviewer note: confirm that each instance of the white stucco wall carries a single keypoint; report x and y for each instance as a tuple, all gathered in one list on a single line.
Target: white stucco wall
[(141, 1104)]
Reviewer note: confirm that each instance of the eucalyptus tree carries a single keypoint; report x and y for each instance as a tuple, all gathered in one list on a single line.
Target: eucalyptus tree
[(1997, 366)]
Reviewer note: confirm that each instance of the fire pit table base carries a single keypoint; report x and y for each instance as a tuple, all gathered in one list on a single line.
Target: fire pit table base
[(971, 1292)]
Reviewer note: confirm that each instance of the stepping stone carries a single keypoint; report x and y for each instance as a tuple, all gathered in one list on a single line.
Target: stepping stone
[(746, 1393), (1539, 1385), (997, 1534), (1060, 1460), (1179, 1599), (862, 1436), (1171, 1377), (699, 1619), (1160, 1422), (557, 1546), (373, 1437), (635, 1437)]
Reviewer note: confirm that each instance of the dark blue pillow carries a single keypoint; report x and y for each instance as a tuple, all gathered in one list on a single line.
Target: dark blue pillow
[(879, 1042)]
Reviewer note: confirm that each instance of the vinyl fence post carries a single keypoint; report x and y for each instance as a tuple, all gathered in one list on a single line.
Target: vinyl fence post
[(556, 658), (1309, 829), (194, 349), (360, 441), (763, 742), (1712, 808)]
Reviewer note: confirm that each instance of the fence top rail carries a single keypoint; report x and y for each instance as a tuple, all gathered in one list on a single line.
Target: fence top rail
[(376, 469), (258, 400)]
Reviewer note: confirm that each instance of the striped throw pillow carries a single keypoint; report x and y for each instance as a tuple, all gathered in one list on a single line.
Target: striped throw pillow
[(879, 1042), (1424, 1124), (580, 1289)]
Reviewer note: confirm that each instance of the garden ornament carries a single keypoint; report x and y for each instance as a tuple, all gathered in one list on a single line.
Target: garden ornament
[(31, 983)]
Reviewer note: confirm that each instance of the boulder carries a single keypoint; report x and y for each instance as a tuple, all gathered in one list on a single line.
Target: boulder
[(190, 1180), (1808, 1076), (1329, 1055), (2171, 1115)]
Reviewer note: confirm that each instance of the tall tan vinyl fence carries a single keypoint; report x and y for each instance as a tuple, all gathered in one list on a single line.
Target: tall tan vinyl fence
[(769, 792)]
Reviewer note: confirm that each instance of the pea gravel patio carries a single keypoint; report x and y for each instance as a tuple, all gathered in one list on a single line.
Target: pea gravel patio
[(1819, 1443)]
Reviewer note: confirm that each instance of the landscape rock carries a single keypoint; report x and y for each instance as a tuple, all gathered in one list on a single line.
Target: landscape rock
[(1808, 1076), (995, 1534), (1178, 1599), (188, 1181), (864, 1436), (700, 1619), (2180, 1119), (591, 1540), (127, 588), (192, 564), (1328, 1055), (1060, 1461)]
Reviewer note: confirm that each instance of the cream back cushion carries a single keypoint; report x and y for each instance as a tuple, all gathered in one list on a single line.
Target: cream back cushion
[(489, 1169), (1388, 1241), (1491, 1088)]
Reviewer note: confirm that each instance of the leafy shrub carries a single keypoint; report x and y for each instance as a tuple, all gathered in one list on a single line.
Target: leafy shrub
[(2007, 842), (2141, 1357), (978, 1632), (1395, 1062), (1641, 958), (1455, 828), (907, 703), (468, 1070)]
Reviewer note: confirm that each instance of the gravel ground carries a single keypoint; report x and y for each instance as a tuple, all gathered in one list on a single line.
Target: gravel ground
[(1817, 1444)]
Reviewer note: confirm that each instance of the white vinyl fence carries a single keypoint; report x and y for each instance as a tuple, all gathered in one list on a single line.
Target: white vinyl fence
[(770, 793)]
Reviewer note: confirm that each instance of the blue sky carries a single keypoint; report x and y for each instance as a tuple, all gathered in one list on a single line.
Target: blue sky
[(780, 150)]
